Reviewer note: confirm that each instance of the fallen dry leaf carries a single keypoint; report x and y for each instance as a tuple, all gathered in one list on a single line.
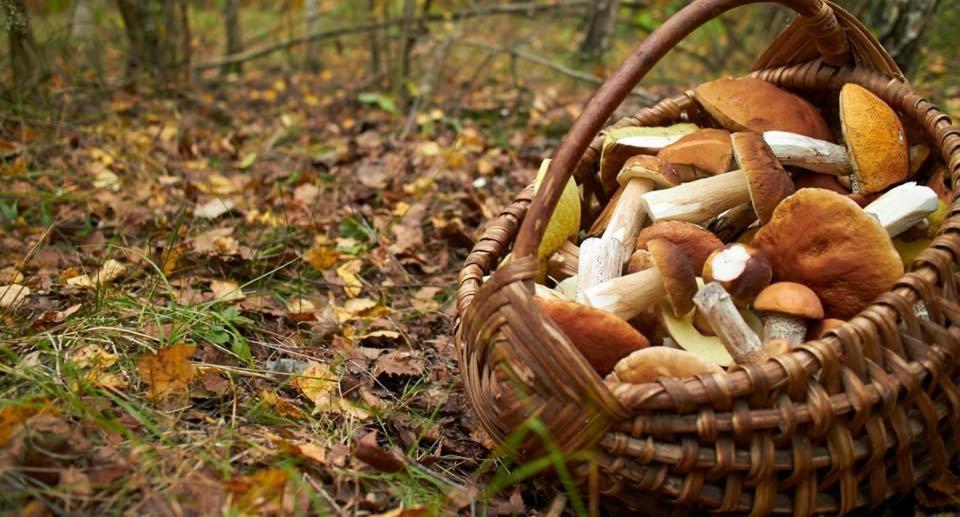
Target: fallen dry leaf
[(321, 256), (282, 406), (13, 295), (399, 363), (110, 271), (226, 290), (317, 383), (380, 458), (351, 282), (213, 209), (168, 372), (257, 490)]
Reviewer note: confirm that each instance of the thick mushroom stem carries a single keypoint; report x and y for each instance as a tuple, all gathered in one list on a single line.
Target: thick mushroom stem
[(627, 216), (809, 153), (600, 260), (719, 310), (700, 200), (627, 296), (903, 207), (784, 326)]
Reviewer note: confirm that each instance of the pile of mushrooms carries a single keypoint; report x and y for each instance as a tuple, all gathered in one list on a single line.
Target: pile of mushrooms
[(741, 237)]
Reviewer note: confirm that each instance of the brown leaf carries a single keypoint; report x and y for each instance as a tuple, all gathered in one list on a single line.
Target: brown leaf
[(226, 290), (384, 460), (408, 232), (399, 363), (257, 490), (282, 406), (215, 383), (13, 295), (168, 372)]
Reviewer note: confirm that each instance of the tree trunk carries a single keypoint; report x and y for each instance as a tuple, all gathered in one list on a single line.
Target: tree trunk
[(25, 58), (231, 17), (311, 12), (600, 27), (900, 25), (158, 33)]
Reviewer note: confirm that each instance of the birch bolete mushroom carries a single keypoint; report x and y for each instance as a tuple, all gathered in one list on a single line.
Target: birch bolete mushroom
[(903, 206), (602, 259), (696, 242), (602, 338), (875, 139), (672, 278), (652, 363), (707, 152), (786, 308), (742, 271), (761, 180), (826, 242), (621, 144), (754, 105)]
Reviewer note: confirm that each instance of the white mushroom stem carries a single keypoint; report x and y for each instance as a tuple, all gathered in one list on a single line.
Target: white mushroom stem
[(903, 207), (784, 326), (699, 201), (809, 153), (627, 215), (627, 296), (650, 143), (718, 309)]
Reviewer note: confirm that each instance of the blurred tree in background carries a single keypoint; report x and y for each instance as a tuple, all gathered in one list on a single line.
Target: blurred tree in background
[(900, 25)]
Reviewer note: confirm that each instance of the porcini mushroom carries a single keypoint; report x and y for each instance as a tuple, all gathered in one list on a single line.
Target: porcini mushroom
[(707, 152), (785, 308), (671, 277), (602, 259), (903, 206), (651, 363), (826, 242), (760, 180), (696, 242), (754, 105), (718, 309), (623, 143), (602, 338), (742, 271), (875, 140)]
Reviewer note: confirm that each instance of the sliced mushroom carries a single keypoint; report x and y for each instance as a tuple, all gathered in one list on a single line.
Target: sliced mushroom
[(875, 140), (761, 180), (786, 308), (824, 241), (671, 277)]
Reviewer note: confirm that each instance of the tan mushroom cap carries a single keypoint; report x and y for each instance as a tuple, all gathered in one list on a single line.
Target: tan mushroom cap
[(875, 139), (678, 277), (824, 241), (707, 150), (650, 364), (815, 180), (742, 270), (601, 337), (749, 104), (696, 242), (790, 298), (769, 182), (650, 168)]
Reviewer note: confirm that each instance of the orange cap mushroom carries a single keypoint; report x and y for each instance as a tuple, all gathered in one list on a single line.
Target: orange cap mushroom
[(875, 140)]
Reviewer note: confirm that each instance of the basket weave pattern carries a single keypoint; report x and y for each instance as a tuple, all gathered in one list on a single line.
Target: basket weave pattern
[(839, 424)]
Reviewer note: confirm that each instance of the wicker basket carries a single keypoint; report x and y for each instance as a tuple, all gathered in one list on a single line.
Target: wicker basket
[(839, 424)]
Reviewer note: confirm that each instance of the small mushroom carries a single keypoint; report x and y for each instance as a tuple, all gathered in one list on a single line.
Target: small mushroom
[(875, 140), (652, 363), (785, 308), (603, 260), (623, 143), (696, 242), (602, 338), (742, 271), (754, 105), (826, 242), (903, 206), (671, 277), (761, 180)]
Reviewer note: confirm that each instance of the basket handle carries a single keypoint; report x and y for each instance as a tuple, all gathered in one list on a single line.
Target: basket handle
[(823, 27)]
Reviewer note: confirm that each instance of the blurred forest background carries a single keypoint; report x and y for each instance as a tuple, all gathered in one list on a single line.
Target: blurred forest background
[(230, 232)]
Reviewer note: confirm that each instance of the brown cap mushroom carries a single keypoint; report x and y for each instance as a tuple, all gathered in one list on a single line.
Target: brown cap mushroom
[(760, 180), (875, 140), (741, 270), (824, 241), (704, 152), (650, 364), (787, 307), (602, 338), (755, 105), (671, 277), (621, 143), (696, 242)]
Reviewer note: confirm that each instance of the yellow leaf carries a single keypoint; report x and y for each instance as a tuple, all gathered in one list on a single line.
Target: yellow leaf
[(351, 282), (281, 406), (321, 257), (226, 290), (168, 372), (317, 383), (250, 493)]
